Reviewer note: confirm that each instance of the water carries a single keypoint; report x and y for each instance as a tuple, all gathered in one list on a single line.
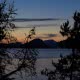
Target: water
[(44, 60), (51, 53), (46, 53)]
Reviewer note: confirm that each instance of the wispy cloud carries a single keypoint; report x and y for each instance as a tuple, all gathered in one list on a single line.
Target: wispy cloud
[(46, 36), (40, 25), (39, 19), (50, 35)]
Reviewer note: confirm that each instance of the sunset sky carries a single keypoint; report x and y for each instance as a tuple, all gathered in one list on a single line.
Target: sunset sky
[(57, 9)]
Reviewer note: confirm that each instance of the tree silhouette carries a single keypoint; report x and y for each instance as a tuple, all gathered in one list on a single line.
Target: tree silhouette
[(72, 33), (25, 57), (73, 38), (68, 67)]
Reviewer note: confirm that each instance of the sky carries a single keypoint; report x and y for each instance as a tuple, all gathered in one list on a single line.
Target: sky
[(46, 8), (60, 9)]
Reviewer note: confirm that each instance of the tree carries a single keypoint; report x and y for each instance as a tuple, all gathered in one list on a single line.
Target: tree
[(72, 33), (73, 38), (25, 57), (68, 67)]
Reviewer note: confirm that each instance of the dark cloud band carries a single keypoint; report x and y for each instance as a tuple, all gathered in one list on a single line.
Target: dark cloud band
[(42, 19)]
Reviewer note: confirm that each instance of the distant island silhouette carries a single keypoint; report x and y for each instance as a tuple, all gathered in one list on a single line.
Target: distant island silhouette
[(35, 43), (39, 43)]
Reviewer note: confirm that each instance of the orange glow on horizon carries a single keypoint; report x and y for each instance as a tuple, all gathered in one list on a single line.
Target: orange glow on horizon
[(22, 38), (57, 39)]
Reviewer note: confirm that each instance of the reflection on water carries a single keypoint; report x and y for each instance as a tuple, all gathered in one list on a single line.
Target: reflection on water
[(47, 53)]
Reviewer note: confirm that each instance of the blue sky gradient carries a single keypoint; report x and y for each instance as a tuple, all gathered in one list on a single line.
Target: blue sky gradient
[(46, 8)]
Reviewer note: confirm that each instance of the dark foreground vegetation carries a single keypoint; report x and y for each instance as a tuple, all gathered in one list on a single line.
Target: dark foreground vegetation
[(24, 63), (68, 67)]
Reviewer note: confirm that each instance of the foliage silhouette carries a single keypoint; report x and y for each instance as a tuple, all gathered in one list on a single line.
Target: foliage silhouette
[(68, 67), (23, 60)]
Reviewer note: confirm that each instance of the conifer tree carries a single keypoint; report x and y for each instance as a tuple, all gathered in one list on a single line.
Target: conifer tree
[(68, 67)]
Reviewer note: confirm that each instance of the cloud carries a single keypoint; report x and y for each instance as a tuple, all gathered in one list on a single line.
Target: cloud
[(39, 25), (42, 19), (47, 35), (50, 35)]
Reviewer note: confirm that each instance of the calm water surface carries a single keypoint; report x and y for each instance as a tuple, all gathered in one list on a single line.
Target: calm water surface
[(45, 57), (47, 53)]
